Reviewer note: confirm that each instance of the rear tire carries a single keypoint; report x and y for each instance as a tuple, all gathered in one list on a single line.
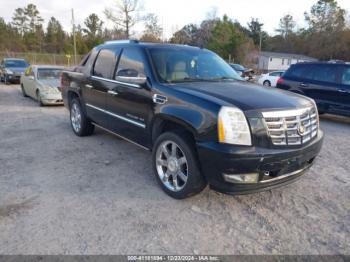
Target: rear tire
[(81, 125), (180, 164), (267, 83)]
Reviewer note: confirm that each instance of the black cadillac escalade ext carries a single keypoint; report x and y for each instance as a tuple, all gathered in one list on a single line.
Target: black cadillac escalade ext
[(203, 124)]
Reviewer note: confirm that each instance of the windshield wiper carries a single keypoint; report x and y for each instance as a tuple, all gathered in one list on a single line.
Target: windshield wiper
[(190, 79), (223, 78), (194, 79)]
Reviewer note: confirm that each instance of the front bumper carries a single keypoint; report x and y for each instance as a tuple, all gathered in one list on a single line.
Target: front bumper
[(13, 78), (52, 99), (284, 165)]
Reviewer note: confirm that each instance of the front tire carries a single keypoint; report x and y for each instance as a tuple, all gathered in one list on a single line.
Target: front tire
[(81, 125), (23, 91), (6, 80), (38, 99), (176, 166)]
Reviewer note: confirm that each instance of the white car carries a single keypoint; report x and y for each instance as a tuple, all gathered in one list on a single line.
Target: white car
[(270, 79), (41, 83)]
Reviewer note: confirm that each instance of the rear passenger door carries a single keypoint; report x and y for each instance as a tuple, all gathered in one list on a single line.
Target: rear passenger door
[(95, 90), (273, 77), (324, 84), (129, 102)]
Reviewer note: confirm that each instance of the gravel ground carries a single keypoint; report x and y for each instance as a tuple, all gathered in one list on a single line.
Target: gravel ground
[(60, 194)]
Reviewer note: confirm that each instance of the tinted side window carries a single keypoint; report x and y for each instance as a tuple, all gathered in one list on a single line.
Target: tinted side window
[(345, 78), (302, 72), (105, 64), (325, 73), (298, 71), (275, 74), (130, 64)]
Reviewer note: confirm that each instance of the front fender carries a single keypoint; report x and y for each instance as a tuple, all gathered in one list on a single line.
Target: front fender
[(196, 120), (192, 118)]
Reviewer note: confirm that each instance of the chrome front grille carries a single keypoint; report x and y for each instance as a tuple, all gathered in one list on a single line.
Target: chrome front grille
[(292, 127)]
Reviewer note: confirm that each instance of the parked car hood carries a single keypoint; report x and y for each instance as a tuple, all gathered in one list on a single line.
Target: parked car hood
[(50, 82), (17, 69), (245, 95)]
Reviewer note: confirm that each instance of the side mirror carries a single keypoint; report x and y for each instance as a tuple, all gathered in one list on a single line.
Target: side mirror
[(131, 76)]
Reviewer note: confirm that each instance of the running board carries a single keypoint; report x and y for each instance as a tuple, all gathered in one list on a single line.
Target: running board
[(124, 138)]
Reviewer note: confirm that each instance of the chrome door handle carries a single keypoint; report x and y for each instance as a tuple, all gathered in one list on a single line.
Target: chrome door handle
[(113, 93), (303, 85), (89, 86)]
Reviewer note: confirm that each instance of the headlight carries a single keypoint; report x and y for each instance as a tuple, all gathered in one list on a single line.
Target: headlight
[(316, 110), (8, 71), (233, 127)]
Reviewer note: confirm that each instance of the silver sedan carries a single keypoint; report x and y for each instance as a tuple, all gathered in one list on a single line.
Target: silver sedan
[(41, 83)]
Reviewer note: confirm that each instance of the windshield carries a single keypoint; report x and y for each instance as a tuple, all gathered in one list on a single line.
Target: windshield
[(49, 73), (238, 67), (182, 65), (16, 63)]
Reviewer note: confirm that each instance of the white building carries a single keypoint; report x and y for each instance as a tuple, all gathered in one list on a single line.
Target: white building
[(272, 61)]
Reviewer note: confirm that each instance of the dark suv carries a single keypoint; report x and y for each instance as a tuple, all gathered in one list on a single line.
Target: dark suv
[(327, 83), (191, 109)]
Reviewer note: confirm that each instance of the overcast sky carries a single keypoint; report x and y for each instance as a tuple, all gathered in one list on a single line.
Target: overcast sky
[(173, 14)]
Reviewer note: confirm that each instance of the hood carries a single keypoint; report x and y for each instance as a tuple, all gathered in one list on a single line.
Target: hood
[(244, 95), (17, 69), (50, 82)]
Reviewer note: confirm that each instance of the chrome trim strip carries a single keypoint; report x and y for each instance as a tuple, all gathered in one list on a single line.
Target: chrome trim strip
[(115, 81), (118, 116), (72, 72), (284, 176), (286, 113), (159, 99), (113, 93), (128, 140)]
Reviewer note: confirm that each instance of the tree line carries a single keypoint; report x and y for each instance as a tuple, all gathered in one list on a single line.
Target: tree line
[(326, 34)]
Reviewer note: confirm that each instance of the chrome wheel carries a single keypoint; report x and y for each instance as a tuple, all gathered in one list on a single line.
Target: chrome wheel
[(172, 167), (75, 117)]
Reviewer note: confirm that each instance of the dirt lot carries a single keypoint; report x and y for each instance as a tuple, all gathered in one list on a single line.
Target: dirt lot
[(60, 194)]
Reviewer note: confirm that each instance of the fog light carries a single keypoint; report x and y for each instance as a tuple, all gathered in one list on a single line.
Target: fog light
[(242, 178)]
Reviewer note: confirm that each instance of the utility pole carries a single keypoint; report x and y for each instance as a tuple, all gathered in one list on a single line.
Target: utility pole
[(260, 44), (74, 40), (260, 41), (163, 29)]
